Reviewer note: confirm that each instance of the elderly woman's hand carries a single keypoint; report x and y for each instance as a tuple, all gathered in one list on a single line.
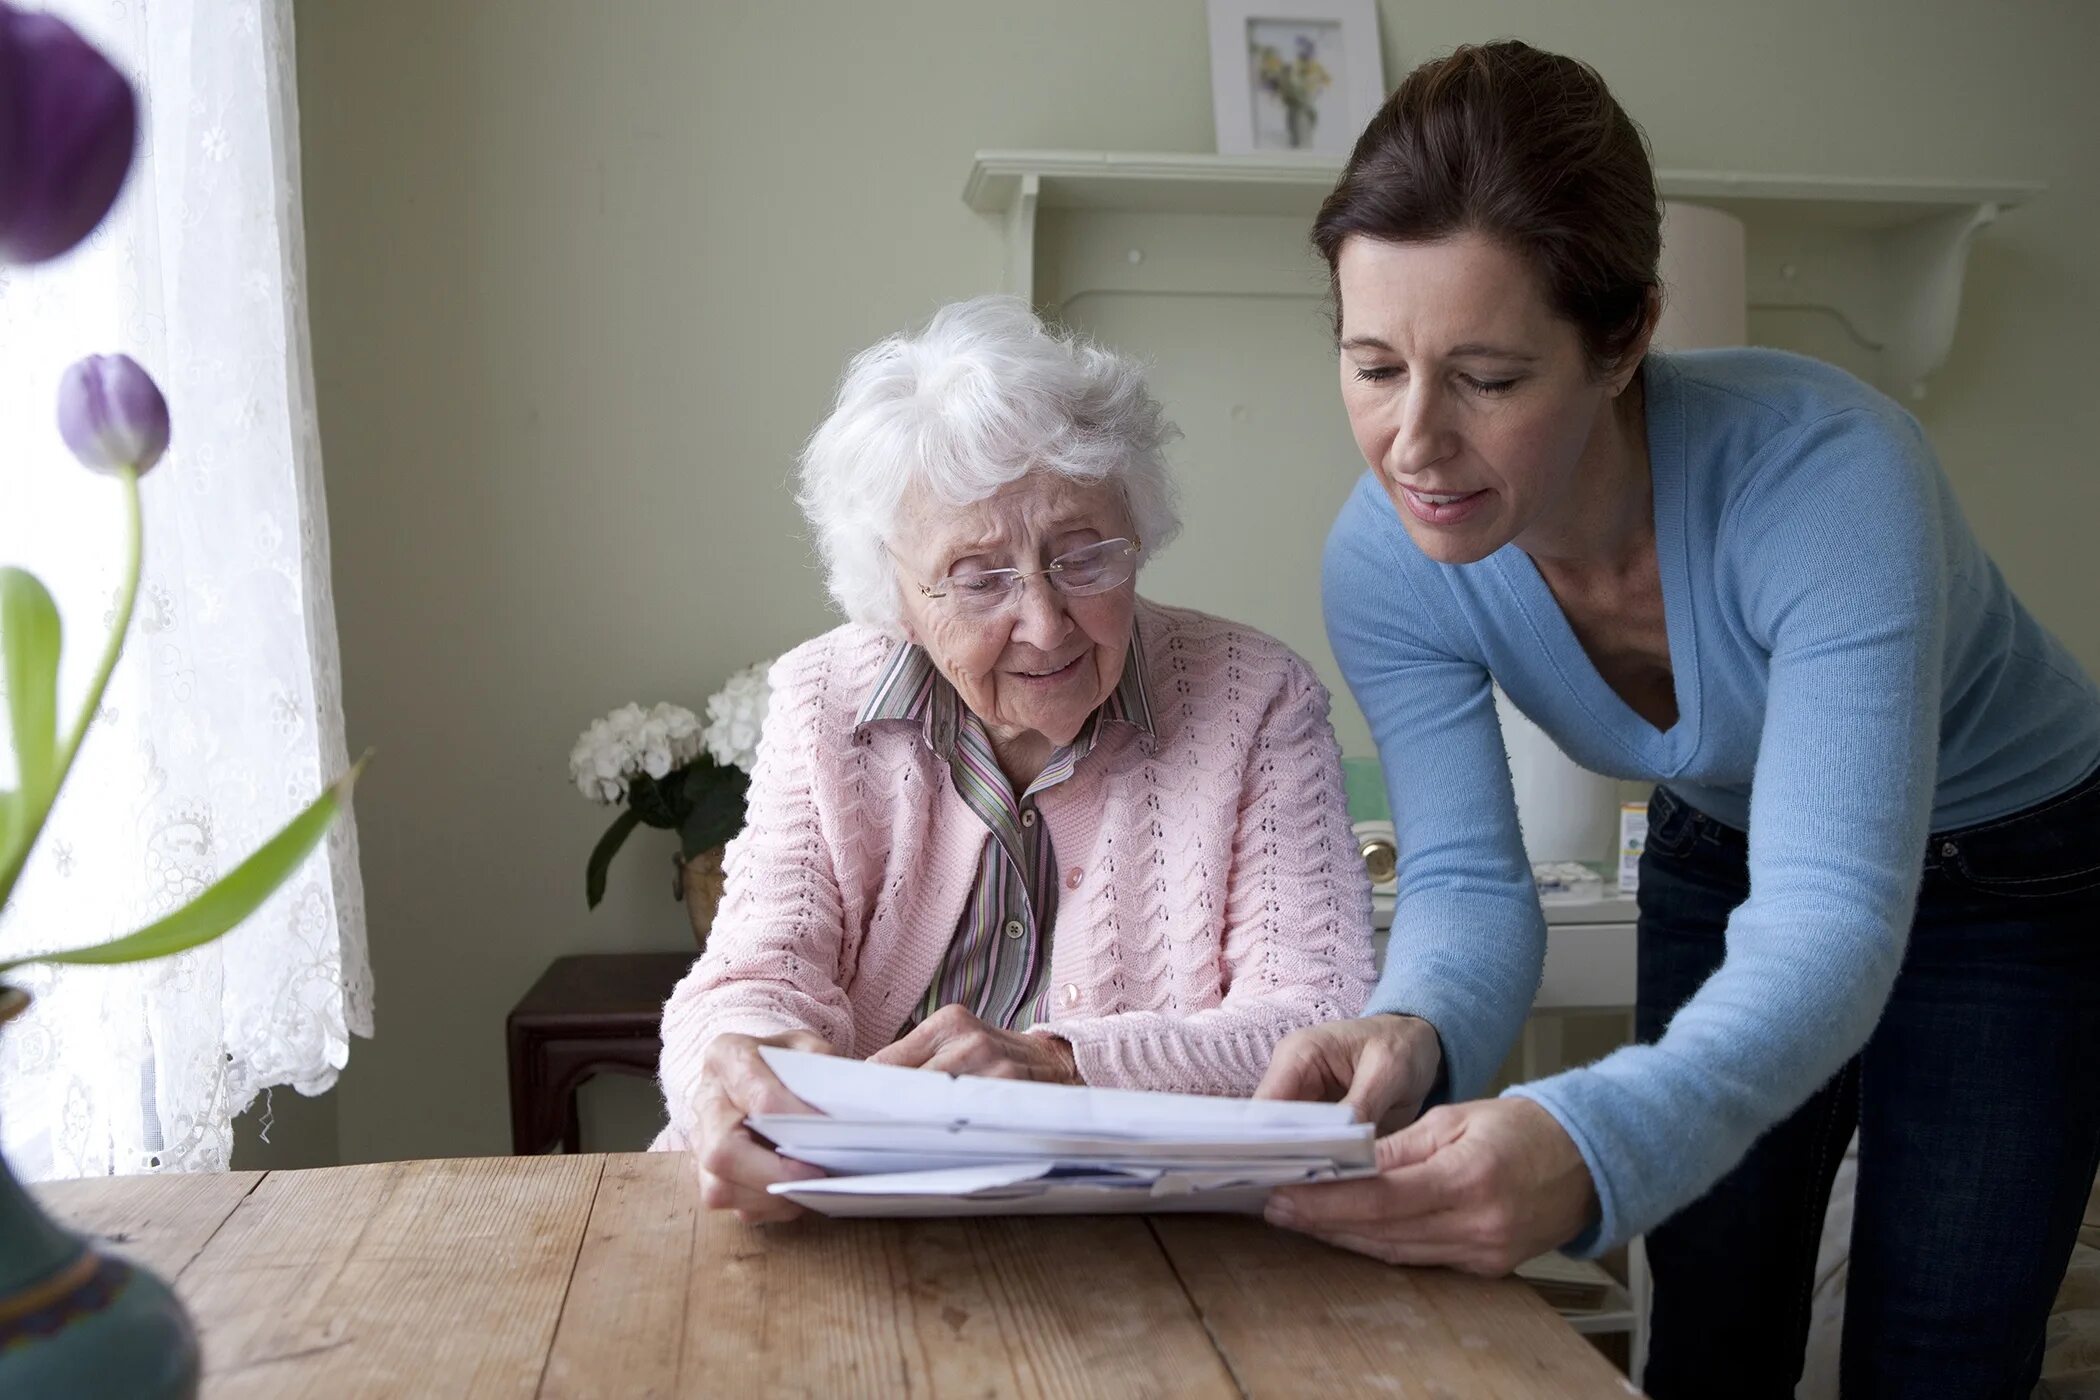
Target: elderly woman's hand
[(735, 1168), (1381, 1066), (1478, 1186), (954, 1040)]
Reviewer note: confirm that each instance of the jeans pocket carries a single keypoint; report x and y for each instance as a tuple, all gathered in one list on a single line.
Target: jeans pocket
[(2049, 850), (1672, 823)]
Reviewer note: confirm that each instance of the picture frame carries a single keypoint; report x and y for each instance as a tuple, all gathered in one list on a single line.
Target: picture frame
[(1293, 77)]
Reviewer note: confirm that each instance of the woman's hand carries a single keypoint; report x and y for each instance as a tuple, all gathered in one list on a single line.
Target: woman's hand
[(735, 1168), (1478, 1186), (954, 1040), (1381, 1066)]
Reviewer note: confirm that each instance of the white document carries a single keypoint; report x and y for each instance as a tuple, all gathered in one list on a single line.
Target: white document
[(907, 1142), (799, 1133), (1040, 1188)]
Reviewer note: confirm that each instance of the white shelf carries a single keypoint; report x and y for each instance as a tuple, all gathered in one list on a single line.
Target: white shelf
[(1176, 184), (1592, 957), (1614, 1311), (1617, 1316), (1884, 256)]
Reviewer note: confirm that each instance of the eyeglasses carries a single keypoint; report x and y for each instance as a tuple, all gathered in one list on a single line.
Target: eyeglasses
[(1080, 574)]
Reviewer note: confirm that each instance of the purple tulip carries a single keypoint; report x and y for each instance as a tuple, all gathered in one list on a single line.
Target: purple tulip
[(68, 122), (10, 119), (111, 414)]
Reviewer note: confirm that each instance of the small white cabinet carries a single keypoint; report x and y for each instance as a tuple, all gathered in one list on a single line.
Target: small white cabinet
[(1589, 966)]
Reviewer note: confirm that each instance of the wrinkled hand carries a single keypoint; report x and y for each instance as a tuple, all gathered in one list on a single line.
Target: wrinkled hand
[(735, 1168), (1381, 1066), (1478, 1186), (954, 1040)]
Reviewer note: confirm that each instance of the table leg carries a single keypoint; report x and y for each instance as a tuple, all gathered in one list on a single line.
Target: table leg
[(523, 1117), (571, 1124)]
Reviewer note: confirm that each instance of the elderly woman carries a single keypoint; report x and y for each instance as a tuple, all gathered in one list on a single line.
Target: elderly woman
[(1012, 819)]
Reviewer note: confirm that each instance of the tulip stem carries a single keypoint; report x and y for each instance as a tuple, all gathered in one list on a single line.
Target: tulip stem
[(114, 647)]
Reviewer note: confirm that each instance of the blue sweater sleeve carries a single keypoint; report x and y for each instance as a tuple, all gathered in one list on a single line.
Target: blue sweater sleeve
[(1468, 940), (1833, 550)]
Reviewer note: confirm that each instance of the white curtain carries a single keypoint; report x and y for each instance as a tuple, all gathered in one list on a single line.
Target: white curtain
[(225, 716)]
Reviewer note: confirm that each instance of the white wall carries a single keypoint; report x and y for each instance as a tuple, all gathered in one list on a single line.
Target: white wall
[(583, 277)]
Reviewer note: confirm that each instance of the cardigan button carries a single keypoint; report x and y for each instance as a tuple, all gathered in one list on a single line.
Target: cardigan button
[(1072, 878), (1071, 994)]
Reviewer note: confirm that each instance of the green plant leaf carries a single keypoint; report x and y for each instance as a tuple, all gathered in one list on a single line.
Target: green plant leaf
[(657, 801), (229, 899), (714, 799), (29, 631), (30, 641), (601, 855), (10, 824)]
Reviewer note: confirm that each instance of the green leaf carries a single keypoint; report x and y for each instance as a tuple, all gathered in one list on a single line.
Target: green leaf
[(30, 640), (29, 632), (658, 801), (228, 900), (10, 823), (601, 856), (714, 797)]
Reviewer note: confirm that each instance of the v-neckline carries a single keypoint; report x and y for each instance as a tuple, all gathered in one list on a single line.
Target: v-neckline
[(1664, 751)]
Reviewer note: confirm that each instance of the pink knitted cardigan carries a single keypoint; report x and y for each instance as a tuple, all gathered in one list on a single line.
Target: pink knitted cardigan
[(1212, 898)]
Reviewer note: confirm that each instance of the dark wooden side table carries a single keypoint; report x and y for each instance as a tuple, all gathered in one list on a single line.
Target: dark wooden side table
[(587, 1013)]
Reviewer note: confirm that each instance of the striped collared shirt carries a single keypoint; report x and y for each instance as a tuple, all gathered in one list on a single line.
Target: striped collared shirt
[(998, 960)]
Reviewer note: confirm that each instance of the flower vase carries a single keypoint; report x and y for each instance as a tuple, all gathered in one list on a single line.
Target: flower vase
[(1298, 122), (76, 1322), (700, 882)]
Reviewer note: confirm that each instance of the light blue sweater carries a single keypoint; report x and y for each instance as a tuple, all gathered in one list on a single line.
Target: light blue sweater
[(1837, 635)]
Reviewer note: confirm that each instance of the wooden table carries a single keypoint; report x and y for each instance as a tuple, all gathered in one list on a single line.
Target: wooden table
[(600, 1276)]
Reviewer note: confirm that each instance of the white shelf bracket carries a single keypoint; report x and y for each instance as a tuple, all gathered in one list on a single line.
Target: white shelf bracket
[(1895, 288), (1924, 263), (1020, 238)]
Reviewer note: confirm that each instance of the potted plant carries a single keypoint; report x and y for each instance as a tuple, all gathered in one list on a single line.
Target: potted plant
[(666, 769)]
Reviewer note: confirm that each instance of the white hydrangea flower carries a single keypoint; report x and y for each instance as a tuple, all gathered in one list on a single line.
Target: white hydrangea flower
[(735, 715), (629, 742)]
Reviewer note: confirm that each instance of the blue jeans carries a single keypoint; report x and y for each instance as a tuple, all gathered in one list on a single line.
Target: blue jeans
[(1977, 1100)]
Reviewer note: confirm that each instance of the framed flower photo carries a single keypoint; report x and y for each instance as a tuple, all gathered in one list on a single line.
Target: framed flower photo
[(1294, 76)]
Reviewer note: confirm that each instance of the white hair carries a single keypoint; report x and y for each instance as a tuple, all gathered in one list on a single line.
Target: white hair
[(981, 397)]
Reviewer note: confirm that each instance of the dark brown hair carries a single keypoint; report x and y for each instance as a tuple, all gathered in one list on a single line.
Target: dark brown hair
[(1529, 149)]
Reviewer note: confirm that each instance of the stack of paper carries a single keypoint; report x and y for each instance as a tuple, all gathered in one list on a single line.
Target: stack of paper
[(917, 1142)]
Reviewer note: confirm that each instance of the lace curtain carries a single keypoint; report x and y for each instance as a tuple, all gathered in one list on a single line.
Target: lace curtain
[(224, 717)]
